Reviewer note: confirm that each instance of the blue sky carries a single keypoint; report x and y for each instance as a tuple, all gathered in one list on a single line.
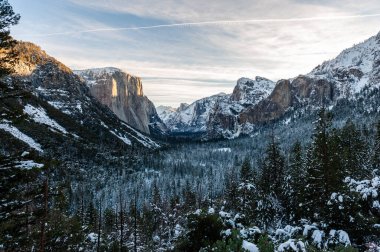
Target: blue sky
[(184, 63)]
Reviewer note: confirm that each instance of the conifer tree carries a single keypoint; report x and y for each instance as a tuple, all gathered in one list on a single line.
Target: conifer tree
[(8, 55), (231, 190), (320, 175), (273, 170), (246, 192), (353, 151), (376, 149), (189, 196), (296, 181), (245, 171)]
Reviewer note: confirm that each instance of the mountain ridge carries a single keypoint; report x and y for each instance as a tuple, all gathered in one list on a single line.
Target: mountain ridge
[(343, 77)]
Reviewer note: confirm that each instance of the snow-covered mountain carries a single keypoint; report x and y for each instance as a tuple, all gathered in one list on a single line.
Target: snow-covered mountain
[(190, 118), (353, 69), (198, 116), (123, 94), (353, 76)]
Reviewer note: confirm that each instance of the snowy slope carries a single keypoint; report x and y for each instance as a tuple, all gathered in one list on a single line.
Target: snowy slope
[(191, 118), (197, 116), (39, 115), (353, 69), (165, 112), (6, 126)]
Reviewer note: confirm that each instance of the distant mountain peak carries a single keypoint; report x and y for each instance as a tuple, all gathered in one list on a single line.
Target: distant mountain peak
[(258, 101)]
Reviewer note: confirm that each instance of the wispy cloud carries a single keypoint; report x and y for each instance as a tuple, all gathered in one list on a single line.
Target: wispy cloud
[(185, 50), (210, 23)]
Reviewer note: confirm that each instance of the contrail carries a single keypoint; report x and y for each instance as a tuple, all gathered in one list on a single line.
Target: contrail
[(206, 23)]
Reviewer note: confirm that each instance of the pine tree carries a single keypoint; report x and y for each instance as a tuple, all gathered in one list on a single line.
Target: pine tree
[(189, 197), (353, 151), (231, 191), (273, 170), (321, 174), (8, 55), (245, 171), (296, 180), (376, 149), (91, 217)]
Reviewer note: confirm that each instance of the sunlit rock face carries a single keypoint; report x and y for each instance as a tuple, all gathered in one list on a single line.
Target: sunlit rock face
[(123, 94)]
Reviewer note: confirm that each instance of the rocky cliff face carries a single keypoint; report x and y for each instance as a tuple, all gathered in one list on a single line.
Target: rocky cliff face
[(344, 77), (351, 76), (123, 94), (56, 88)]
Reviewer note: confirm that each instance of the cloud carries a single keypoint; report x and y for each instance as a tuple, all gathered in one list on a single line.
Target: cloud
[(210, 23), (225, 40)]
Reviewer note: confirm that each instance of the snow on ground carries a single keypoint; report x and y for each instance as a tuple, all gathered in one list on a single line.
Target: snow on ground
[(25, 153), (222, 150), (28, 164), (146, 141), (292, 245), (249, 246), (92, 237), (39, 115), (18, 134), (123, 138), (317, 237)]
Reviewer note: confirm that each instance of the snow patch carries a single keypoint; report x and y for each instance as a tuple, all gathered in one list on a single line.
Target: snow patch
[(123, 138), (249, 246), (28, 164), (39, 115), (222, 150), (18, 134)]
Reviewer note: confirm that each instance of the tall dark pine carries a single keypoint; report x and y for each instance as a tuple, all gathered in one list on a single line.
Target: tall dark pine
[(273, 168), (246, 190), (231, 192), (245, 172), (296, 180), (376, 151), (8, 56), (320, 173), (353, 148)]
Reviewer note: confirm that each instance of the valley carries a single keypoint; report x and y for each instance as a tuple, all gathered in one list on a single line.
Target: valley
[(89, 163)]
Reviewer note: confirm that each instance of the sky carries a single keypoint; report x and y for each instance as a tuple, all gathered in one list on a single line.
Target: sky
[(185, 50)]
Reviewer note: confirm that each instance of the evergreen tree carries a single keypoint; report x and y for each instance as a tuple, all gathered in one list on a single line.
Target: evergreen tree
[(8, 55), (189, 196), (245, 171), (376, 149), (322, 171), (203, 231), (231, 191), (353, 151), (91, 218), (273, 170), (296, 181)]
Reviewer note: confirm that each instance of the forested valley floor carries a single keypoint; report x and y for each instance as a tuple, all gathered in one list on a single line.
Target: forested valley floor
[(248, 194)]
